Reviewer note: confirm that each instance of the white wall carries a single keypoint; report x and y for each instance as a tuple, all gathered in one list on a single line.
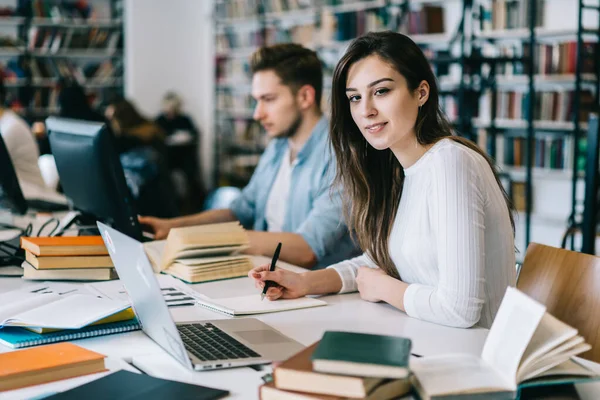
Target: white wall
[(169, 46)]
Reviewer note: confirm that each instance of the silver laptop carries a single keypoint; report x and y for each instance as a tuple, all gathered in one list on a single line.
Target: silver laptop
[(201, 345)]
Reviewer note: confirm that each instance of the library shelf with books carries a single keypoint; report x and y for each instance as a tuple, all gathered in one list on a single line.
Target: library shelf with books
[(57, 41), (560, 84)]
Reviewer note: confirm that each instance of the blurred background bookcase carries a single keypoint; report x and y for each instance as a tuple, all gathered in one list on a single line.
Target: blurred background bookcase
[(512, 79), (43, 42)]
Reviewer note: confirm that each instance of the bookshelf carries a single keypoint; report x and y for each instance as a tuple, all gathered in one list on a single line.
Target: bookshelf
[(44, 42), (533, 113), (489, 82)]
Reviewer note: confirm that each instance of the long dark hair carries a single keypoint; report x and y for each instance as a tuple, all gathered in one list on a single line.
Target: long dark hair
[(372, 180)]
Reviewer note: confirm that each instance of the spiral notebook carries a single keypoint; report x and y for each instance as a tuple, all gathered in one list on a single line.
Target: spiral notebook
[(16, 337), (248, 305)]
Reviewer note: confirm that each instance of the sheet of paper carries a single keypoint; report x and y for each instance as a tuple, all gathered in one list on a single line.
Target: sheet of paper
[(175, 293), (246, 305), (60, 288)]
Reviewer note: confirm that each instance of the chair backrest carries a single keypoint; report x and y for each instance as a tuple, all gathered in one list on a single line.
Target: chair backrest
[(221, 197), (568, 284)]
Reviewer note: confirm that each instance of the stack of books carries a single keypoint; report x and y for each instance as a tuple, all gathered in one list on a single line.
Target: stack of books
[(202, 253), (344, 365), (67, 258)]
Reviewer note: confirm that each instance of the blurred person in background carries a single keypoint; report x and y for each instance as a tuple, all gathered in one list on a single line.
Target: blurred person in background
[(182, 151)]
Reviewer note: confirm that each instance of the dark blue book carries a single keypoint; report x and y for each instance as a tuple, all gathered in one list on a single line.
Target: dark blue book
[(16, 337), (130, 386)]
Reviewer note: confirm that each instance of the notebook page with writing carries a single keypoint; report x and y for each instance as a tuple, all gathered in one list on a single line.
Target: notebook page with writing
[(247, 305)]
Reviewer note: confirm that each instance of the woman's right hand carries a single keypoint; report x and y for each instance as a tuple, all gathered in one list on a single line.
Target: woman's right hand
[(287, 284), (159, 226)]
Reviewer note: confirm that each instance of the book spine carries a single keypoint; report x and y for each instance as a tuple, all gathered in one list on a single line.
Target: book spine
[(78, 335)]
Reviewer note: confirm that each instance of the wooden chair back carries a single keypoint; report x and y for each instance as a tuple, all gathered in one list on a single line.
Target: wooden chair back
[(568, 284)]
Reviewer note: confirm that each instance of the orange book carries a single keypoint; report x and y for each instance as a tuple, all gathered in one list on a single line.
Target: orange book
[(47, 364), (65, 246)]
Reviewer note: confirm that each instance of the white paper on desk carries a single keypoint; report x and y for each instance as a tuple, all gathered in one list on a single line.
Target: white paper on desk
[(62, 312), (60, 288), (247, 305), (174, 292)]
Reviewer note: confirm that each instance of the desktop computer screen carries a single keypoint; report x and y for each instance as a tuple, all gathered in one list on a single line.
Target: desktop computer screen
[(91, 174), (11, 196)]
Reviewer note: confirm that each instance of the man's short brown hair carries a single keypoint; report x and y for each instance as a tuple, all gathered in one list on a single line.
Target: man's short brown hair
[(294, 64)]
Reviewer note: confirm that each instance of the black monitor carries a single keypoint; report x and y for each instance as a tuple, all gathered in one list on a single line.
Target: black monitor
[(11, 196), (91, 174)]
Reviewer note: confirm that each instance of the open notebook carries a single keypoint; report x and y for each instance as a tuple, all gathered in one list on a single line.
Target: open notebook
[(247, 305)]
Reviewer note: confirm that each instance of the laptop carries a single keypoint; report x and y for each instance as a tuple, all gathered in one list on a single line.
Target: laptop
[(199, 345)]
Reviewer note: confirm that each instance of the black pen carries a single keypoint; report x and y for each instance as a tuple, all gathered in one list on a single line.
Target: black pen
[(271, 269)]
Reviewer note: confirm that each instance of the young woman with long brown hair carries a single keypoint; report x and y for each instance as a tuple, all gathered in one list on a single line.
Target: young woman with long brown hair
[(426, 205)]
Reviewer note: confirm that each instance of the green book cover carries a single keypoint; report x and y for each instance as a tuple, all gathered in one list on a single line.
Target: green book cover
[(363, 348)]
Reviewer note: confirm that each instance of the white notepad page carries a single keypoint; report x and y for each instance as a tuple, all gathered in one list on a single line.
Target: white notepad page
[(247, 305)]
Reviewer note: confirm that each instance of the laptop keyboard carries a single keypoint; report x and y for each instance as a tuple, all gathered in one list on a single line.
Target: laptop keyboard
[(209, 343)]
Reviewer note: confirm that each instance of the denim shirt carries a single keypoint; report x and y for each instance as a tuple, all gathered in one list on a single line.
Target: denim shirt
[(313, 210)]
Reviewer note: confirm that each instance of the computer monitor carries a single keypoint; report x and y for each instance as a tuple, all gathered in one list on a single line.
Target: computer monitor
[(11, 196), (91, 174)]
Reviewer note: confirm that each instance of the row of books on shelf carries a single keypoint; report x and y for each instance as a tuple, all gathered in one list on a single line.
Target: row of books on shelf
[(559, 58), (333, 27), (549, 106), (227, 99), (243, 131), (427, 19), (236, 8), (349, 25), (231, 39), (548, 152), (57, 10), (53, 40), (42, 69), (509, 14)]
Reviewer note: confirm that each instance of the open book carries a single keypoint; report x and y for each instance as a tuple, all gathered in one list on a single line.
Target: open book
[(524, 343), (201, 253), (38, 311)]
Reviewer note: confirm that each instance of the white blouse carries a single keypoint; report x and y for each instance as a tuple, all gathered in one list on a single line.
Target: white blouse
[(451, 241)]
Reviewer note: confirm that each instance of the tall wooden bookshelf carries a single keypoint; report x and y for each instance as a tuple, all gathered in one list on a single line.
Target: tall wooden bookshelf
[(526, 108), (44, 42)]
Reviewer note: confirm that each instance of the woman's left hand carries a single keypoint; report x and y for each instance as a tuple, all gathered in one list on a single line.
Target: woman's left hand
[(369, 283)]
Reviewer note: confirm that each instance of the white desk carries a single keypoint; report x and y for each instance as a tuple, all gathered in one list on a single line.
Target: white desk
[(343, 312)]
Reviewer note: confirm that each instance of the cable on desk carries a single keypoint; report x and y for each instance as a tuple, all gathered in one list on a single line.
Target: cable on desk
[(45, 224)]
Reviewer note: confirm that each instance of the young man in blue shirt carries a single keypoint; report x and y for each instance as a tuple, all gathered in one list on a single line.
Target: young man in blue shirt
[(289, 198)]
